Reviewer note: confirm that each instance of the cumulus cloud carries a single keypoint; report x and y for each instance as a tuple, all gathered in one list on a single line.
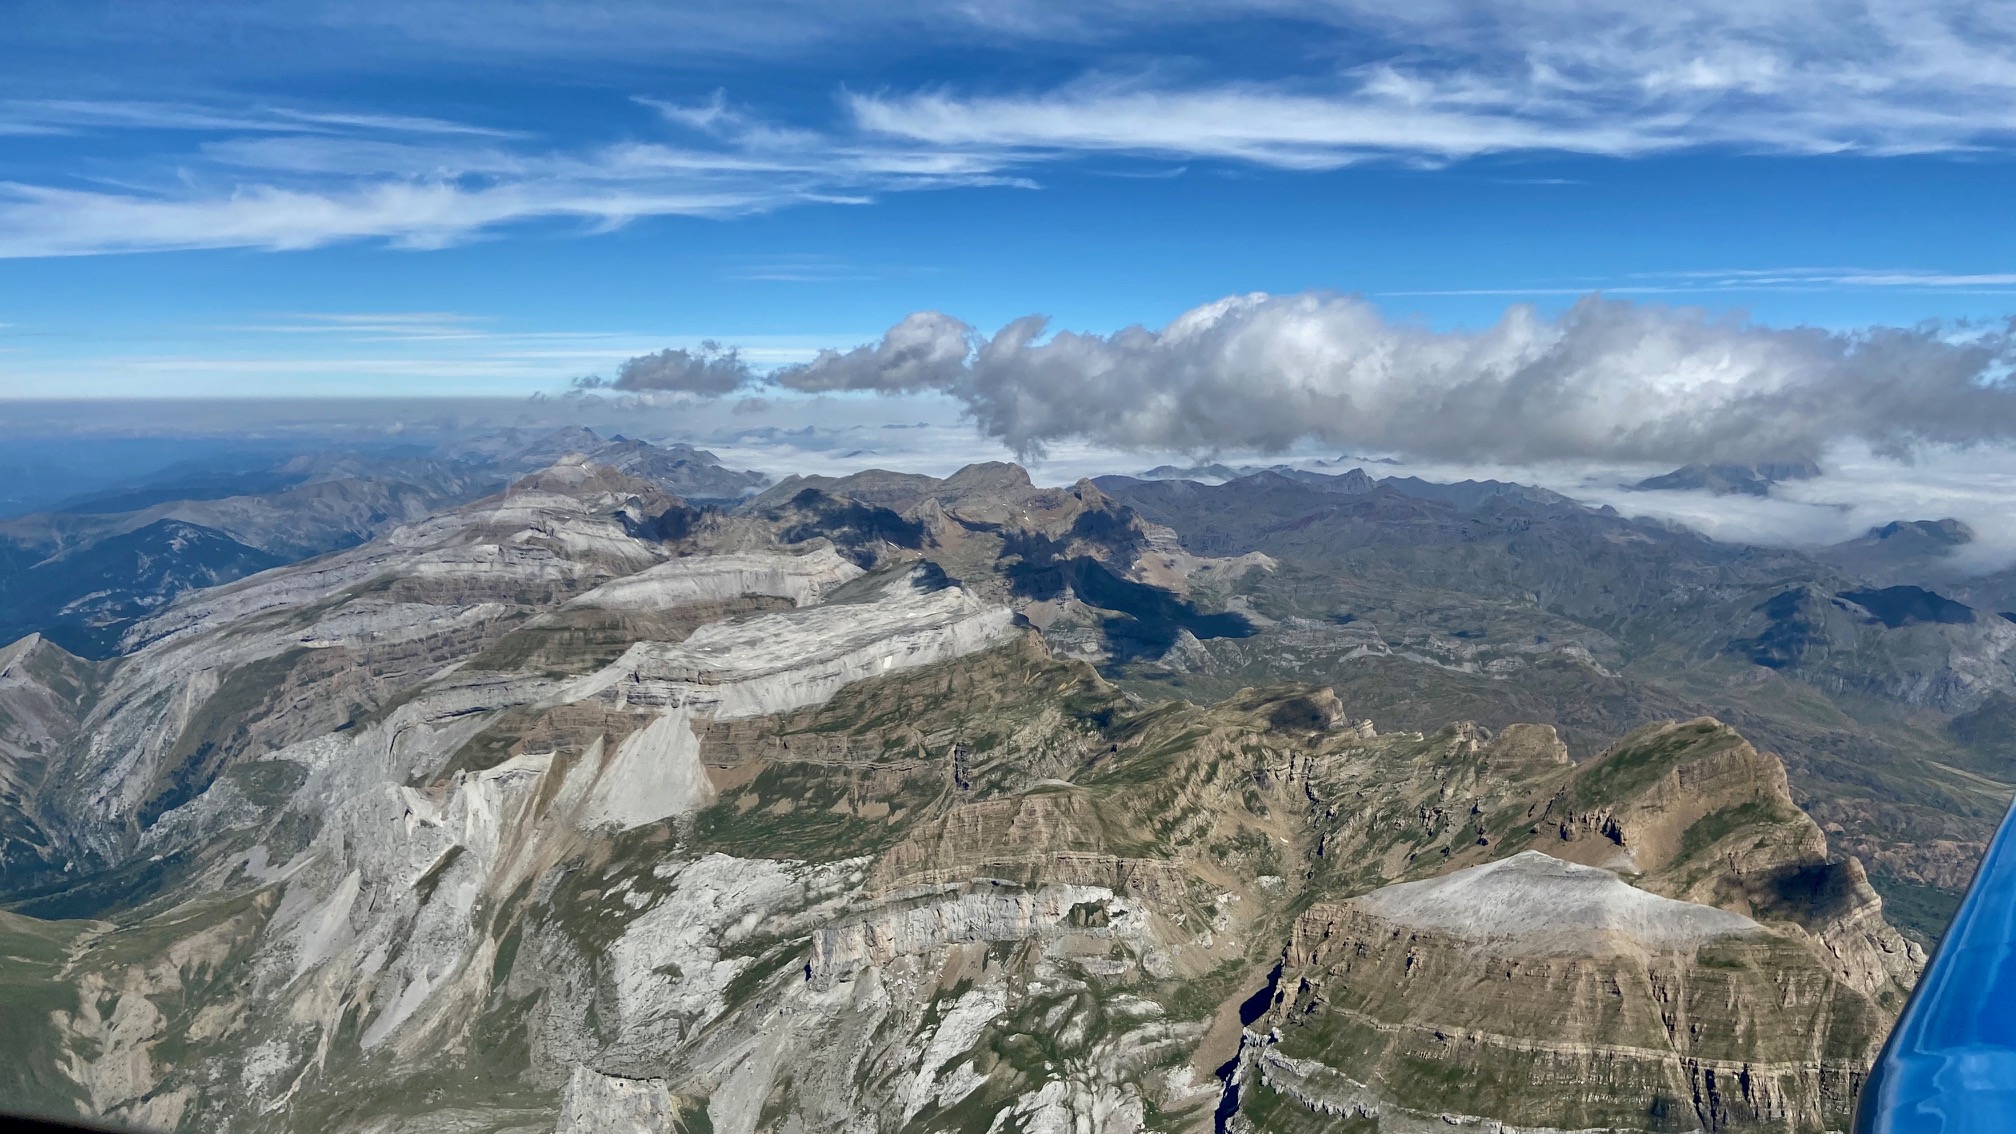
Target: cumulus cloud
[(709, 372), (1607, 380), (926, 351)]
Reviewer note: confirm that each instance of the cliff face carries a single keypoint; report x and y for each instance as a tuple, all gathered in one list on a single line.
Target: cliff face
[(1540, 993), (577, 810), (1708, 968), (44, 691)]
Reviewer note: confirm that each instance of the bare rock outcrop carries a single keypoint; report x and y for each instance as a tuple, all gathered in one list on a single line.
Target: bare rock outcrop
[(594, 1103), (572, 810)]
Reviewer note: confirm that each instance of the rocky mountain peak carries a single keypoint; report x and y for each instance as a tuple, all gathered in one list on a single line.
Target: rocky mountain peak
[(1725, 478), (549, 811), (988, 477), (1949, 532), (580, 475), (18, 652)]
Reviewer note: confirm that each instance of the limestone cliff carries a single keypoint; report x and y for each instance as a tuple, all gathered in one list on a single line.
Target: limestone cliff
[(578, 809)]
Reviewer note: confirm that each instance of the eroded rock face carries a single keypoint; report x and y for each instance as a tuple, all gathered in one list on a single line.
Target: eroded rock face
[(1468, 996), (44, 692), (803, 579), (594, 1103), (538, 817), (985, 917), (1665, 1014), (775, 663)]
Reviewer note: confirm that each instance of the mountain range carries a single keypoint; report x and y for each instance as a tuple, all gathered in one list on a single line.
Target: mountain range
[(896, 802), (85, 570)]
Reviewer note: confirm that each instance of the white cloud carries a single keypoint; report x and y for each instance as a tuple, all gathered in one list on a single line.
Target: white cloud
[(1702, 283), (41, 221), (1343, 81), (373, 326), (1858, 490), (402, 123), (357, 353), (69, 115), (302, 190), (1242, 123), (709, 371), (1795, 278), (926, 351), (1610, 77), (1930, 279), (812, 269), (710, 115), (73, 115), (1606, 381)]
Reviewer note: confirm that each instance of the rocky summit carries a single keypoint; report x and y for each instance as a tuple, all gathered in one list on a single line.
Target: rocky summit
[(892, 803)]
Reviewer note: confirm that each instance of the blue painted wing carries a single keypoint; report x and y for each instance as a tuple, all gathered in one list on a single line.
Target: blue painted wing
[(1950, 1064)]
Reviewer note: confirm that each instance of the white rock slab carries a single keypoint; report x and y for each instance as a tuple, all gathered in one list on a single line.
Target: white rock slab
[(712, 578), (656, 772), (1537, 904)]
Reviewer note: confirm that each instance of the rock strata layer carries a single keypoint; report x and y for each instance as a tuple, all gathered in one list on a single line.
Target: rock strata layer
[(580, 809)]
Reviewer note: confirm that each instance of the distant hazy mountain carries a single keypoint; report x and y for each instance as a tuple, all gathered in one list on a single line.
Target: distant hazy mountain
[(83, 597), (1220, 471), (38, 474), (1914, 551), (1724, 479), (84, 571), (1649, 589), (694, 475), (1356, 481), (1198, 472)]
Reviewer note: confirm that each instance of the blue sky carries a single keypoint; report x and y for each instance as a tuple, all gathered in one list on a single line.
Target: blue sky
[(326, 197)]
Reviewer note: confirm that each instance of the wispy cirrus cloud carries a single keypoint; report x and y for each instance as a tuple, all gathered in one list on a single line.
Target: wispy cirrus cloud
[(373, 325), (1799, 277), (1443, 82), (807, 267), (351, 353), (404, 123), (410, 213), (57, 116), (1734, 281), (365, 178), (1342, 82), (1245, 123)]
